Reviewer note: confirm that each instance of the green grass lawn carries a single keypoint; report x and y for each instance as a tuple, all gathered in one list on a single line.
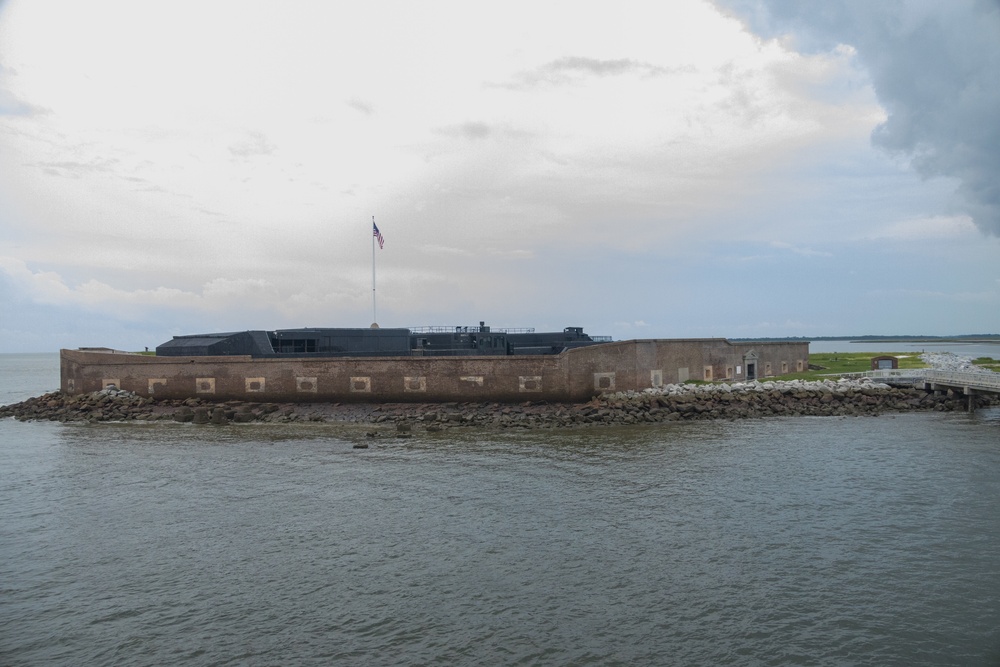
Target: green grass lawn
[(988, 363), (836, 363), (857, 362)]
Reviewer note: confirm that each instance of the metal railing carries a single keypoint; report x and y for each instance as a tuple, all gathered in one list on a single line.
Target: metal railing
[(470, 329), (982, 380), (891, 374)]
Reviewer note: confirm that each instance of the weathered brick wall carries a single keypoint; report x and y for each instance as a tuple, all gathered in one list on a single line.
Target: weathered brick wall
[(575, 375), (639, 364), (303, 380)]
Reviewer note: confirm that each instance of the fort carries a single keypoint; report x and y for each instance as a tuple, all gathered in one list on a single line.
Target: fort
[(574, 374)]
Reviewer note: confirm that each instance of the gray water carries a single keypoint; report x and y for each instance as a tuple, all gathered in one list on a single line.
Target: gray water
[(25, 375), (805, 541)]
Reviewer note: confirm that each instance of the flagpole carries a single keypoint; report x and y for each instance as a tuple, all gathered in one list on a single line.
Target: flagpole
[(374, 315)]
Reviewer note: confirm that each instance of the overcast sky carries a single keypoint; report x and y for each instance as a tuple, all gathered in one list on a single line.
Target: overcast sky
[(644, 169)]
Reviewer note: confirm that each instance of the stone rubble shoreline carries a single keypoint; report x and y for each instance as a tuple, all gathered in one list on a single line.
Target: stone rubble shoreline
[(949, 361), (678, 402)]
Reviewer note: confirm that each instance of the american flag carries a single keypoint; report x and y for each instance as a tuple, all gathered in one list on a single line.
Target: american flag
[(378, 235)]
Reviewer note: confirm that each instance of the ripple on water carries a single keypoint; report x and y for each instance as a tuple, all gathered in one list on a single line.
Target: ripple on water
[(793, 541)]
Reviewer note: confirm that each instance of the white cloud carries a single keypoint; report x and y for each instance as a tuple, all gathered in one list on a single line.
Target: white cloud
[(927, 228), (536, 168), (45, 287), (252, 144), (806, 252), (444, 250), (50, 288)]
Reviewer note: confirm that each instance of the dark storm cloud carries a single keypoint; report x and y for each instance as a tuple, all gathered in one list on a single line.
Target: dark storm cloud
[(936, 70)]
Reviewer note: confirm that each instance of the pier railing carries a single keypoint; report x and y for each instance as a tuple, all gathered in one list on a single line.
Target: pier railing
[(976, 380), (981, 380)]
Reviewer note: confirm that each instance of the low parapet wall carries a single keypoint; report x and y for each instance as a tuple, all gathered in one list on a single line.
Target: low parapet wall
[(306, 380), (640, 364), (574, 375)]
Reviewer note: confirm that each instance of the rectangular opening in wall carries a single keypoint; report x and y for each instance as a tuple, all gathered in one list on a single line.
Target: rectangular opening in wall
[(604, 381), (415, 383)]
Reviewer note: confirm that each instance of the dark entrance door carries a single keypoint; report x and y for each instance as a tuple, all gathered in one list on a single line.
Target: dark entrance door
[(750, 359)]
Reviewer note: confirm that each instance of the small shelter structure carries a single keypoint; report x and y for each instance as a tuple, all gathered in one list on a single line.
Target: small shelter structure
[(885, 363)]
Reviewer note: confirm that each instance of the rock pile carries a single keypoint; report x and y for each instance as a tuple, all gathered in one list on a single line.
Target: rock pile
[(669, 403), (788, 398), (109, 404), (948, 361)]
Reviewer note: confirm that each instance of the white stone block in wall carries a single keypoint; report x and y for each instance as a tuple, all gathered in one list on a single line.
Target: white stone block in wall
[(529, 383), (415, 384)]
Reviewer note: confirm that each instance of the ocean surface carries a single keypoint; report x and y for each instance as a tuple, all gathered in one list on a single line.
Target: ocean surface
[(798, 541)]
